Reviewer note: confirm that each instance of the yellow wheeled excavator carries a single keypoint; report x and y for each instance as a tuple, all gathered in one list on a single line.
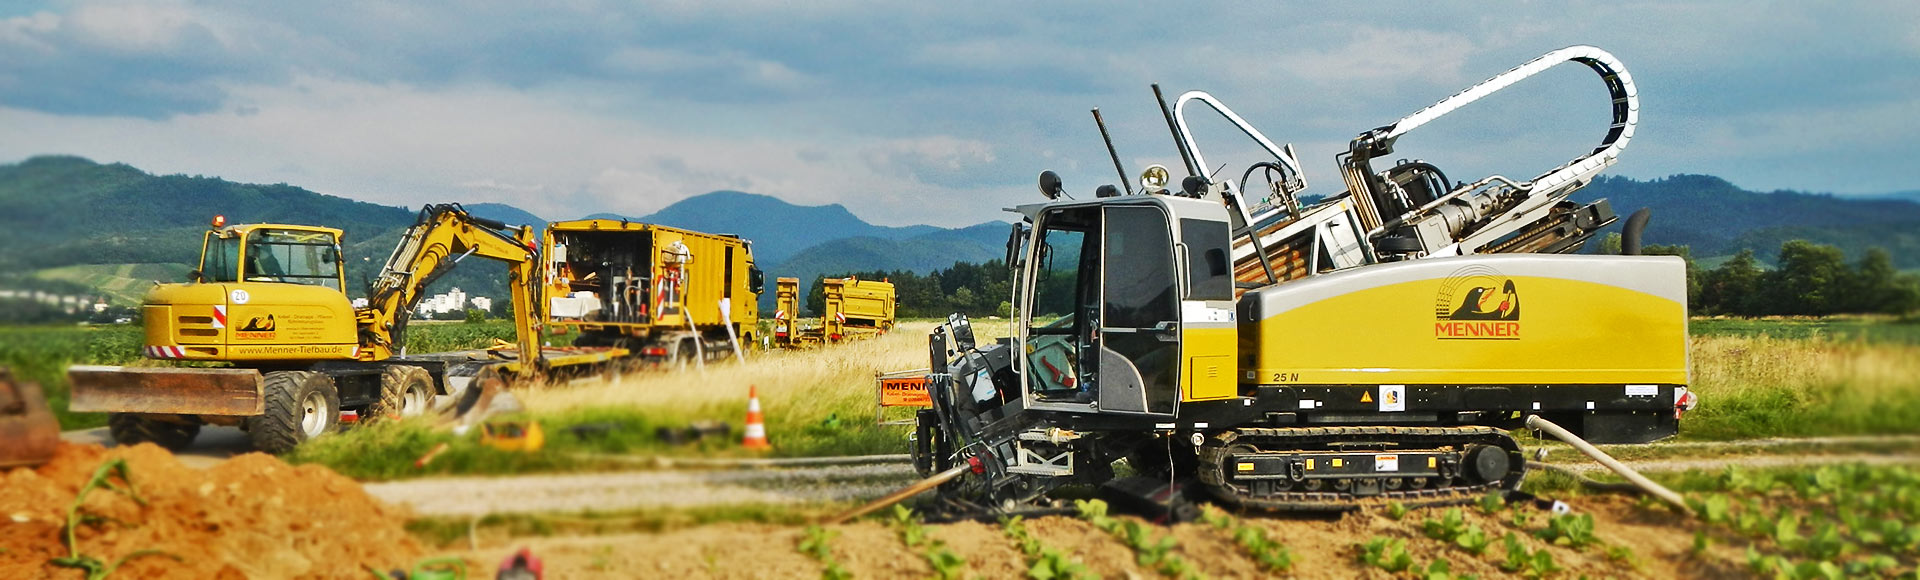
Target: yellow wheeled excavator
[(1282, 355), (268, 300)]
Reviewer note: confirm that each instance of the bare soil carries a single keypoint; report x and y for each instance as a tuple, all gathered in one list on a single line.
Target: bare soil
[(251, 516), (1648, 542)]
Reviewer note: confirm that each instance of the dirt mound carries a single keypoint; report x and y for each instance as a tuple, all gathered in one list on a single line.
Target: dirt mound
[(252, 516)]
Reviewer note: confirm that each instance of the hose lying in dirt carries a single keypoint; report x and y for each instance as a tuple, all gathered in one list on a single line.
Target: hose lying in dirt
[(904, 493), (1588, 482), (1640, 481)]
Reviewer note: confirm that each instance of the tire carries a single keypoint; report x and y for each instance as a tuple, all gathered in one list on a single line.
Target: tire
[(132, 429), (405, 391), (301, 405), (685, 356)]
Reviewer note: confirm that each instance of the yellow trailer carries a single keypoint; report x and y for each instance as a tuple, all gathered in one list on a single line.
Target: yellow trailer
[(853, 309)]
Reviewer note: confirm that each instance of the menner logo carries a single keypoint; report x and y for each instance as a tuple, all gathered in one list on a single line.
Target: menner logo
[(1477, 303)]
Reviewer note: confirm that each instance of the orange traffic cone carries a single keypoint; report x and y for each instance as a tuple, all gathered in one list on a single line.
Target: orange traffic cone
[(756, 431)]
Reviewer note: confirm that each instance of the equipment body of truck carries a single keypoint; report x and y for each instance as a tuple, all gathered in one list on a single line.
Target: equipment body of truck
[(663, 293)]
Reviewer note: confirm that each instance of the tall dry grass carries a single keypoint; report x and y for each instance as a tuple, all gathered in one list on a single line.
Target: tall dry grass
[(1759, 386), (811, 398)]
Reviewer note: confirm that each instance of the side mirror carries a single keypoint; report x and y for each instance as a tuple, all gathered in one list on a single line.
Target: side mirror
[(195, 277), (1050, 185), (1016, 240)]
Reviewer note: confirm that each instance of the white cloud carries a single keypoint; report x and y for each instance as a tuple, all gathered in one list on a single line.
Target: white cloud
[(1372, 54), (907, 114), (134, 27)]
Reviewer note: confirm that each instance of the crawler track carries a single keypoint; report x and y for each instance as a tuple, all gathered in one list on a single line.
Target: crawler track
[(1448, 484)]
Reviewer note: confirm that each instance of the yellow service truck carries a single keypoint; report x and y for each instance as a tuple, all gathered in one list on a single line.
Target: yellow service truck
[(664, 293)]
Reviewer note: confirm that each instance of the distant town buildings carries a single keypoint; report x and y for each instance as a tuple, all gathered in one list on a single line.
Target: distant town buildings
[(454, 300), (71, 304)]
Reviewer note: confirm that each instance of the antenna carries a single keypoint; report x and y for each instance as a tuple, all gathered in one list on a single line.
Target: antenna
[(1110, 151), (1179, 139)]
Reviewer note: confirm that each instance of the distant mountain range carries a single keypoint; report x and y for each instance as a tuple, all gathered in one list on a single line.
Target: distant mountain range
[(61, 214), (1716, 218), (69, 219)]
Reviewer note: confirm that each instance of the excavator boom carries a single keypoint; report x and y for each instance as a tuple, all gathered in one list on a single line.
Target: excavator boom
[(444, 235)]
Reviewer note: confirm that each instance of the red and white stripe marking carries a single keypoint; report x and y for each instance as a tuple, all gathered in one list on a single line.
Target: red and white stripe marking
[(779, 315), (840, 316), (219, 316), (165, 352)]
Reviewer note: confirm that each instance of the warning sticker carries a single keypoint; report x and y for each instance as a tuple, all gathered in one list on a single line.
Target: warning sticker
[(1393, 398), (1386, 463)]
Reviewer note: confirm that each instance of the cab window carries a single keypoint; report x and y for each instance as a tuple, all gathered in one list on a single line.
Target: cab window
[(292, 256), (221, 261)]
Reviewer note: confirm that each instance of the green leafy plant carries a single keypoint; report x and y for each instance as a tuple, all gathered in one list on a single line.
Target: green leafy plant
[(946, 564), (1386, 554), (1493, 502), (1574, 531), (1271, 555), (1043, 562), (1396, 510), (103, 478), (1440, 569), (1150, 550), (817, 543), (1452, 528), (1527, 562)]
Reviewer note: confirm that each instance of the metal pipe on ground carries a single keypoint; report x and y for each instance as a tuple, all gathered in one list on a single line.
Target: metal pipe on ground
[(1660, 491), (898, 496)]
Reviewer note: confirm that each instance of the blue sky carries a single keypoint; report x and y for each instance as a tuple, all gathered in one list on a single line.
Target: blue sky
[(937, 113)]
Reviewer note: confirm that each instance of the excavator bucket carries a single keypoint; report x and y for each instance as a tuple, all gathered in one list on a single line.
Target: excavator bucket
[(28, 431), (166, 391)]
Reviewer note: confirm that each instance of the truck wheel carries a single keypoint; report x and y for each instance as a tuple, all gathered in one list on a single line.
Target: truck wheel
[(301, 405), (405, 391), (684, 355), (133, 429)]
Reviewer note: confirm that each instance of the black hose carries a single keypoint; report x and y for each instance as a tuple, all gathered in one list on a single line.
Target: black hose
[(1630, 233)]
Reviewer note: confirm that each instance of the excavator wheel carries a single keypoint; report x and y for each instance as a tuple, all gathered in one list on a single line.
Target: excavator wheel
[(301, 405), (405, 391), (134, 429)]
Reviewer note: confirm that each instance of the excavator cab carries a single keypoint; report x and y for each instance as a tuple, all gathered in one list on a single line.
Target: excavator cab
[(271, 253)]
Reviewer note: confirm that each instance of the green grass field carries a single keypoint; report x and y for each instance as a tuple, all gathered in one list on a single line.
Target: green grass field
[(1871, 330), (124, 284)]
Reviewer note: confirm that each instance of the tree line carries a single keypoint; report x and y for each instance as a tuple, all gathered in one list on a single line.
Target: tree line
[(1809, 280), (972, 289)]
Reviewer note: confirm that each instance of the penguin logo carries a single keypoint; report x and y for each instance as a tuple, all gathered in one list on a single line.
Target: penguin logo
[(1477, 302), (258, 325), (1483, 303)]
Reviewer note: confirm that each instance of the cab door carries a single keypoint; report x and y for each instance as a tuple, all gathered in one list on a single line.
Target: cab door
[(1139, 312)]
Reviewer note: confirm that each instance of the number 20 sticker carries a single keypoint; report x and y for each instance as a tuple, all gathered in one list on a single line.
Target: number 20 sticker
[(239, 296)]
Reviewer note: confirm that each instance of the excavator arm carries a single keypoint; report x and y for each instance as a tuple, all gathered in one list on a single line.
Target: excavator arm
[(444, 235)]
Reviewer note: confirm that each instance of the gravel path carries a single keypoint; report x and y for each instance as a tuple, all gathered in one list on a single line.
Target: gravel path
[(478, 496)]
